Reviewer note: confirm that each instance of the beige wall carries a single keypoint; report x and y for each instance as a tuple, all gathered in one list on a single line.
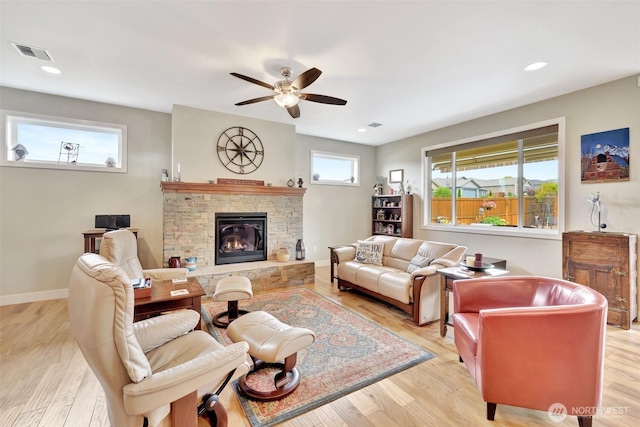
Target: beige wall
[(195, 137), (610, 106), (332, 214), (43, 212)]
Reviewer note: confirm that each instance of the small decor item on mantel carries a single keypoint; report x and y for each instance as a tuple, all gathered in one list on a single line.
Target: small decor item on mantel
[(290, 183), (300, 252), (300, 182), (235, 181)]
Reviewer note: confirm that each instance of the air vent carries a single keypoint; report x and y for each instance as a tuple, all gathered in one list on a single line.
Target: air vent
[(32, 52), (374, 124)]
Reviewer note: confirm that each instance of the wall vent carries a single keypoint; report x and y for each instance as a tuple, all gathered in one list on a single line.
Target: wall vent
[(33, 52)]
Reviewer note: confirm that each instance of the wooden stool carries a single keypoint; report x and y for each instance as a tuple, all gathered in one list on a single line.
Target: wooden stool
[(231, 289), (270, 341)]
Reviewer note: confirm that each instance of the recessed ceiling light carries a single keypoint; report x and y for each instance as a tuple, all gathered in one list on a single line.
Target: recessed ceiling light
[(535, 66), (50, 69), (362, 130)]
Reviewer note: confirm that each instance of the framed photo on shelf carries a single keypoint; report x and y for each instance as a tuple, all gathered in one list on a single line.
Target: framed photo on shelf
[(396, 175)]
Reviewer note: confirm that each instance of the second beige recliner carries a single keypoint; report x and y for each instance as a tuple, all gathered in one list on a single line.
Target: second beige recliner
[(121, 248)]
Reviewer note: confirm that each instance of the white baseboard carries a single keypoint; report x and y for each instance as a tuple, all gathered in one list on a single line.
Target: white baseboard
[(33, 296)]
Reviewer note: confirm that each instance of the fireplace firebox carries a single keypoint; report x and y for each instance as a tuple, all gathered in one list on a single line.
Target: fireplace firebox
[(241, 237)]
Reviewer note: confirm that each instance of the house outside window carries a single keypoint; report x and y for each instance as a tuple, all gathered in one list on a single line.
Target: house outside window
[(504, 183)]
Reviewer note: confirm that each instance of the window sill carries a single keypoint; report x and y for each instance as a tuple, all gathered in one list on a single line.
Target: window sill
[(498, 231)]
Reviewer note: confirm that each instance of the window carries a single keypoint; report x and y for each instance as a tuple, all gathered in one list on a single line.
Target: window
[(334, 169), (504, 183), (58, 143)]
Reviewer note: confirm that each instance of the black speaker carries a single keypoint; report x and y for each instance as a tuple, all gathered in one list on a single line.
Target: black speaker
[(113, 222)]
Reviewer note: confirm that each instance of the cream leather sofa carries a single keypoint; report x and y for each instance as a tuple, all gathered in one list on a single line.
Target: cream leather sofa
[(407, 277)]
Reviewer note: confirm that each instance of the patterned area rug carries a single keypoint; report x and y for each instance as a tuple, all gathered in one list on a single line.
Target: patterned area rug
[(350, 352)]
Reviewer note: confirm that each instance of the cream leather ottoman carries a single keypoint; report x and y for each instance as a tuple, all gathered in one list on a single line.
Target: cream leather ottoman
[(270, 341), (231, 289)]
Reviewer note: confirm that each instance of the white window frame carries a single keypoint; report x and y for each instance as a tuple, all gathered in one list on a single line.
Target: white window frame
[(11, 119), (550, 234), (355, 168)]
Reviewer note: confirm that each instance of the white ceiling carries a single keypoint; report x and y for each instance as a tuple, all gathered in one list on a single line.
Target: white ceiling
[(413, 66)]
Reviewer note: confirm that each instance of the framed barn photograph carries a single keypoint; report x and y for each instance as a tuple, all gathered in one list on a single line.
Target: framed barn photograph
[(605, 156)]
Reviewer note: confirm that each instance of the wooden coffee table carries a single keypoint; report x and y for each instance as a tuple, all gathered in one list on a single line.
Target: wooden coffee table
[(161, 300), (447, 276)]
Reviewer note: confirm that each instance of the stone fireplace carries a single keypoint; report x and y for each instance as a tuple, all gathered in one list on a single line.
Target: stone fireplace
[(190, 210)]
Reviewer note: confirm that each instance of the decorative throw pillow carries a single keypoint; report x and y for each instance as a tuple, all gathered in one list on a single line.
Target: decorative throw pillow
[(417, 262), (369, 252)]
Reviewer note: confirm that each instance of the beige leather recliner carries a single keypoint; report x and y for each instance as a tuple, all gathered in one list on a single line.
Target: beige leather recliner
[(121, 248), (152, 368)]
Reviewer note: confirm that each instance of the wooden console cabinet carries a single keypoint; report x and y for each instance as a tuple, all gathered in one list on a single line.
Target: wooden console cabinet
[(608, 263), (91, 236), (392, 215)]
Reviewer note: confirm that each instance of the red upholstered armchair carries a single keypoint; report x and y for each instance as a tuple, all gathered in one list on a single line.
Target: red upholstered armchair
[(532, 342)]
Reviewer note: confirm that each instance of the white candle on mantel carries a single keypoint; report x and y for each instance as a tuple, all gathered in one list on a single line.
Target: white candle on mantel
[(178, 168)]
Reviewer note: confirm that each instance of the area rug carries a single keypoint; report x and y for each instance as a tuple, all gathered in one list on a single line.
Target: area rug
[(350, 352)]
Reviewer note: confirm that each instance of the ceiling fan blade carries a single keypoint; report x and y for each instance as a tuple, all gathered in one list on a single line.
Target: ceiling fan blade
[(323, 99), (254, 100), (306, 78), (294, 111), (252, 80)]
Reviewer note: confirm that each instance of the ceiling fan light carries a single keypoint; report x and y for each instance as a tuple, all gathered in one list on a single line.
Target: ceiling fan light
[(286, 100)]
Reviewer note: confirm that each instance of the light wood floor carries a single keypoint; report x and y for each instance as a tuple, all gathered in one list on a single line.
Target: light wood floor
[(44, 380)]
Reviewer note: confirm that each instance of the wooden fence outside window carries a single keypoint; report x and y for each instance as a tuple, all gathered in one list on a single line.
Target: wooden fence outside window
[(468, 210)]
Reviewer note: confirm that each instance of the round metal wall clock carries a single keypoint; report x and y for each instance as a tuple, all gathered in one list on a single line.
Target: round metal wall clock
[(240, 150)]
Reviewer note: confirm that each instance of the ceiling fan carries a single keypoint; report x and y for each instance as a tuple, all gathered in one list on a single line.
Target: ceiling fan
[(287, 91)]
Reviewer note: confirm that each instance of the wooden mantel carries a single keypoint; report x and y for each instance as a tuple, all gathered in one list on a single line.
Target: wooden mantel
[(203, 187)]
